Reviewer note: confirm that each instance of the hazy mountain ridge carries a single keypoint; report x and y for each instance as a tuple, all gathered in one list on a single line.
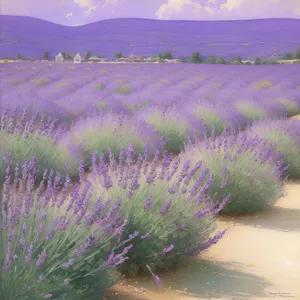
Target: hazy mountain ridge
[(248, 38)]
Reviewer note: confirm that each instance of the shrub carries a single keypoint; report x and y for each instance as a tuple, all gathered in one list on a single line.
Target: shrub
[(169, 212), (124, 89), (250, 110), (111, 130), (292, 107), (27, 137), (208, 114), (285, 134), (50, 248), (247, 168), (175, 126)]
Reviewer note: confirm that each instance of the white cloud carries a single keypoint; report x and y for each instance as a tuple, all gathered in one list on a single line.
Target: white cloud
[(69, 15), (185, 10), (211, 1), (88, 5), (260, 8)]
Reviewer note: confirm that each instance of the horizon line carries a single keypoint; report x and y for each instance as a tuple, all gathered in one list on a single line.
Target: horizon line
[(148, 19)]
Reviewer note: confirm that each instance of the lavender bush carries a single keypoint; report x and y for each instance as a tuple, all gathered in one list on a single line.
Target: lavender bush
[(112, 131), (285, 134), (25, 137), (175, 125), (248, 168), (50, 247), (170, 212)]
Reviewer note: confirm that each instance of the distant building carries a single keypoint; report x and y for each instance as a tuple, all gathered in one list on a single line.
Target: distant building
[(247, 62), (173, 61), (94, 59), (59, 58), (77, 59), (274, 57)]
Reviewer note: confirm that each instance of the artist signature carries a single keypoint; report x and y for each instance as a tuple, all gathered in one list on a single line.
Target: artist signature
[(281, 295)]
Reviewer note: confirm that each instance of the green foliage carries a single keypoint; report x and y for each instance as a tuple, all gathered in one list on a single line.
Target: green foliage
[(291, 107), (296, 55), (257, 61), (165, 55), (196, 58), (48, 155), (88, 55), (156, 231), (283, 133), (118, 55), (20, 57), (107, 131), (250, 111), (288, 56), (171, 126), (239, 60), (209, 117), (211, 60), (46, 55), (252, 183), (124, 89), (41, 81), (99, 86), (63, 274), (220, 60)]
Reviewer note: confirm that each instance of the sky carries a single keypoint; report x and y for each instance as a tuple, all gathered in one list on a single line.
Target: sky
[(79, 12)]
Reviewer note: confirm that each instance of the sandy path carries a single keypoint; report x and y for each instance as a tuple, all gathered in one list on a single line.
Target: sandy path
[(259, 258)]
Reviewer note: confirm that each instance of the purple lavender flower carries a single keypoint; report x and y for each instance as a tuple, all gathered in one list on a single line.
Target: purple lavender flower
[(168, 249), (148, 203), (166, 208), (41, 259)]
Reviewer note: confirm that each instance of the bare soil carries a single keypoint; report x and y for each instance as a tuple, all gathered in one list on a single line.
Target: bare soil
[(258, 258)]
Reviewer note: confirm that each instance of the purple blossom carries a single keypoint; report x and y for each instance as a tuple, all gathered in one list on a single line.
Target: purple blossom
[(168, 249), (41, 259), (148, 203), (29, 255), (166, 208)]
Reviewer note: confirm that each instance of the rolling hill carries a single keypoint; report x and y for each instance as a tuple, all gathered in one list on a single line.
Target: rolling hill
[(248, 38)]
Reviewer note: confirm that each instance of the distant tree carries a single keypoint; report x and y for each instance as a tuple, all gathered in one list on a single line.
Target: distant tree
[(64, 55), (46, 55), (239, 60), (220, 60), (257, 61), (88, 55), (165, 55), (98, 55), (118, 55), (288, 56), (68, 56), (297, 55), (196, 58), (19, 56), (5, 57), (211, 60)]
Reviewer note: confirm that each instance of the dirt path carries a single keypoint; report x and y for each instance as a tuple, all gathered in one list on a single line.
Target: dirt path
[(259, 258)]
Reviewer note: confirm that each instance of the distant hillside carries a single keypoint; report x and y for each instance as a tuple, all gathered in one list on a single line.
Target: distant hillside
[(248, 38)]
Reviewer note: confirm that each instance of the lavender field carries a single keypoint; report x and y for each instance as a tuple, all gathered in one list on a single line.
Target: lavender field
[(149, 182)]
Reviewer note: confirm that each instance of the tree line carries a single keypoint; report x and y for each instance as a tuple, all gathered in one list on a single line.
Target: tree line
[(195, 58)]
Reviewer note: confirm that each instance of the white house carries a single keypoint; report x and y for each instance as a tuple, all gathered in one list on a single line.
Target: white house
[(59, 58), (77, 59)]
